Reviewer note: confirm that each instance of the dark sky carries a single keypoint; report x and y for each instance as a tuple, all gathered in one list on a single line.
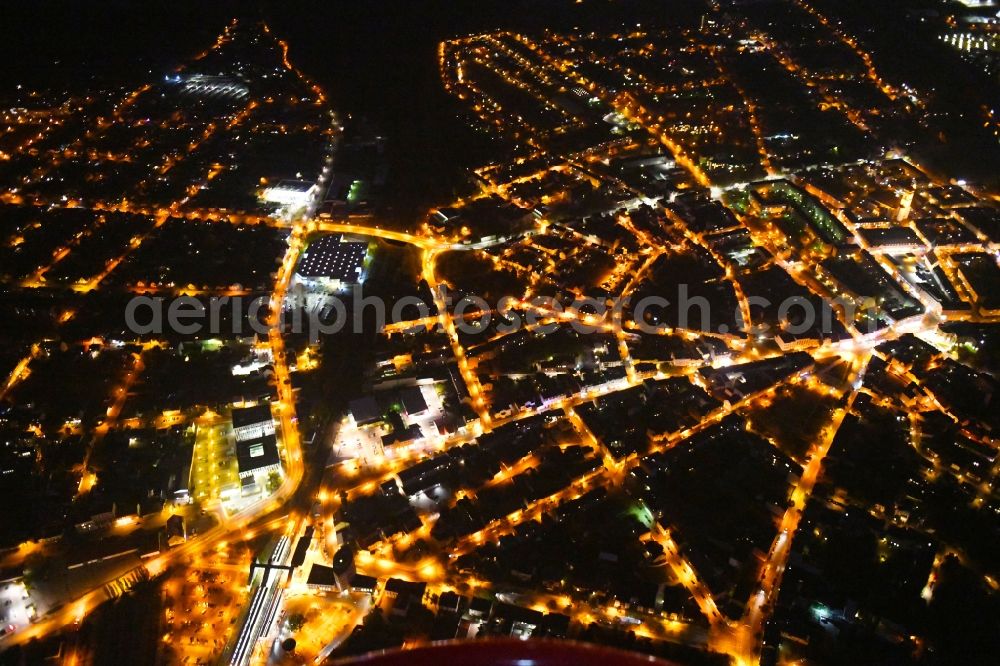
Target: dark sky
[(362, 43), (375, 58), (48, 42)]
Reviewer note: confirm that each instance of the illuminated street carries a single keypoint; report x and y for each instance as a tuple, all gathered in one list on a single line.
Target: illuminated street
[(669, 335)]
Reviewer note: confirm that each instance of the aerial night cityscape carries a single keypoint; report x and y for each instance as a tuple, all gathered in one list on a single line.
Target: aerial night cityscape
[(525, 332)]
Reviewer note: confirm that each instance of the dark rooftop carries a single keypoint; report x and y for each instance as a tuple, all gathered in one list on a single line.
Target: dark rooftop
[(251, 416), (321, 575), (413, 400), (365, 410), (255, 454)]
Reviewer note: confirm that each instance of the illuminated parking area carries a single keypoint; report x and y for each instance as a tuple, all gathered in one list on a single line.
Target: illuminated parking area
[(16, 607), (367, 442), (214, 474), (227, 470), (204, 602), (326, 621)]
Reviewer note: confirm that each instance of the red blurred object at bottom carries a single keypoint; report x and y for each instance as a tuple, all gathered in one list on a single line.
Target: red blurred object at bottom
[(507, 653)]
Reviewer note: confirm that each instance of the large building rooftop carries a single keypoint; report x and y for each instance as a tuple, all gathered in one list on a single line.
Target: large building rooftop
[(257, 454), (332, 257), (249, 416)]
